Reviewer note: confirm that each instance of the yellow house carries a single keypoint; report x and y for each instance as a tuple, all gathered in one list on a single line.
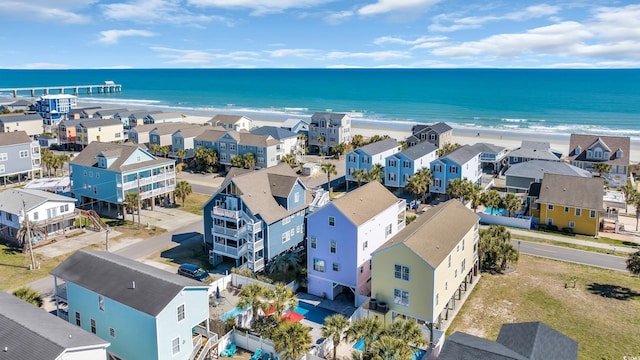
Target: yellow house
[(422, 271), (108, 130), (571, 202)]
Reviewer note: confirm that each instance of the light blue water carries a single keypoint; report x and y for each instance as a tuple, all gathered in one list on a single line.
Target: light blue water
[(490, 210), (231, 314), (552, 101), (417, 355), (313, 313)]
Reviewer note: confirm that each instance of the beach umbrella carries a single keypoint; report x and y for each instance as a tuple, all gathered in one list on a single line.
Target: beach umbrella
[(217, 292)]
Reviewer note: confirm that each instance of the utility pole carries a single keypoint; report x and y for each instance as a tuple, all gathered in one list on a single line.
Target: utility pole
[(26, 223), (106, 241), (139, 200)]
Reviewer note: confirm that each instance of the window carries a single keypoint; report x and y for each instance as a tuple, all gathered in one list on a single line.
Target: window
[(392, 163), (455, 273), (463, 265), (232, 146), (458, 248), (24, 154), (332, 221), (285, 237), (446, 285), (97, 175), (437, 299), (449, 260), (578, 212), (35, 216), (318, 265), (78, 322), (401, 272), (406, 164), (387, 230), (2, 168), (112, 332), (93, 325), (592, 214), (433, 136), (549, 221), (118, 135), (549, 207), (101, 302), (365, 245), (572, 224), (462, 244), (401, 297), (333, 247), (223, 146), (566, 209), (3, 157), (181, 314), (437, 182), (175, 345), (314, 242), (286, 220), (336, 267), (292, 232), (296, 197), (453, 169)]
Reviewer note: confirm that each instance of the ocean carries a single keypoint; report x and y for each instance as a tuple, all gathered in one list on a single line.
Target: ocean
[(549, 101)]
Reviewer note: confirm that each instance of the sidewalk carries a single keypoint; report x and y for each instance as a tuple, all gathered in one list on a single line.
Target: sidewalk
[(591, 243)]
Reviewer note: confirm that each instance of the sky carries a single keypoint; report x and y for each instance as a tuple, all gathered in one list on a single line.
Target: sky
[(88, 34)]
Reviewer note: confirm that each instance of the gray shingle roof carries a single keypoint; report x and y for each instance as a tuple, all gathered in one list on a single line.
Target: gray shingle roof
[(365, 202), (488, 148), (419, 150), (462, 346), (329, 116), (614, 143), (437, 128), (424, 236), (211, 135), (100, 123), (170, 127), (109, 112), (187, 132), (127, 281), (14, 137), (535, 169), (89, 156), (168, 130), (462, 154), (250, 139), (76, 122), (534, 150), (30, 333), (380, 146), (275, 132), (21, 117), (537, 341), (21, 102), (572, 191), (225, 119), (164, 115), (11, 199)]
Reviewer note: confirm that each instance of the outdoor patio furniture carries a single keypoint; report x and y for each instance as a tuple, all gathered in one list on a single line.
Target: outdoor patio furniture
[(229, 351), (256, 355), (266, 356)]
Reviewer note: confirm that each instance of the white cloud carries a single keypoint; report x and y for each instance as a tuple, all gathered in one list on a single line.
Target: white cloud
[(339, 17), (387, 6), (113, 36), (296, 53), (396, 40), (260, 7), (475, 22), (157, 11), (181, 56), (46, 11), (375, 55)]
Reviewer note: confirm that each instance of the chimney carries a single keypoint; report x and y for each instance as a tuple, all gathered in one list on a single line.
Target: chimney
[(133, 285)]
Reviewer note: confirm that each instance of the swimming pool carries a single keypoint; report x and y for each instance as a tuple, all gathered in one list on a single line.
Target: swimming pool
[(417, 355), (492, 211), (231, 314), (313, 313)]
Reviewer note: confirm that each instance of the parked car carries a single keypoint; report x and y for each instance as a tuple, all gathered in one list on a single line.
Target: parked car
[(194, 272)]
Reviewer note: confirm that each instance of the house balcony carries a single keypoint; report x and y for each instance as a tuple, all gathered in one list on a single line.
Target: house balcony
[(149, 180), (61, 292), (254, 266), (230, 251), (229, 214), (256, 245), (158, 191)]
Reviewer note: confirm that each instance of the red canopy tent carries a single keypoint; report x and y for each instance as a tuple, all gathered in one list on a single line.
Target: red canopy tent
[(292, 316)]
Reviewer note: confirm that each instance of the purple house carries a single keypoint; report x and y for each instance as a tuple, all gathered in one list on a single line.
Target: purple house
[(342, 235)]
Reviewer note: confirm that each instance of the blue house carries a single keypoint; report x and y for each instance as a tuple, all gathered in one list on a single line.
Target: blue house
[(103, 173), (143, 311), (369, 155), (401, 166), (462, 163), (298, 126), (54, 108), (266, 150), (256, 215)]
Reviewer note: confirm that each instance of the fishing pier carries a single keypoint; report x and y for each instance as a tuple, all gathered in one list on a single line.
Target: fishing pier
[(106, 87)]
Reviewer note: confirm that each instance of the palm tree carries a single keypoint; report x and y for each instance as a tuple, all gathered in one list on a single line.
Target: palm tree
[(426, 173), (339, 150), (458, 188), (46, 158), (236, 161), (29, 295), (292, 340), (183, 189), (633, 263), (289, 159), (155, 149), (447, 148), (281, 298), (360, 175), (416, 185), (628, 191), (131, 203), (376, 172), (475, 195), (390, 348), (357, 140), (248, 160), (252, 295), (181, 153), (204, 156), (283, 262), (512, 203), (491, 199), (165, 150), (368, 329), (601, 168), (321, 141), (635, 201), (329, 169), (334, 328), (495, 249), (407, 331)]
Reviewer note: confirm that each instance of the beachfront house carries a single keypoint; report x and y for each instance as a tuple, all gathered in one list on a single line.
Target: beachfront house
[(83, 113), (256, 215), (105, 114), (570, 203), (163, 135), (143, 311), (31, 333), (19, 105), (50, 214), (341, 237), (364, 158), (520, 176), (232, 122), (55, 108), (327, 130), (533, 150), (109, 130), (136, 118), (399, 167), (141, 133), (288, 139), (421, 272), (588, 150), (438, 134), (298, 126), (163, 117), (462, 163), (66, 132), (184, 139), (30, 123), (103, 173), (492, 157), (19, 155), (517, 341)]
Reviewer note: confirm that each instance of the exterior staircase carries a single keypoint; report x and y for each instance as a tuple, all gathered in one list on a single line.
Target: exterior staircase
[(93, 217)]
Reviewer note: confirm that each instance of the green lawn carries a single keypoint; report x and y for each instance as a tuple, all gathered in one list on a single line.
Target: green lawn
[(14, 268), (602, 312), (193, 203)]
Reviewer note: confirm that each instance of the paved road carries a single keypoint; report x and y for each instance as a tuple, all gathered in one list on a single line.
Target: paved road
[(571, 255)]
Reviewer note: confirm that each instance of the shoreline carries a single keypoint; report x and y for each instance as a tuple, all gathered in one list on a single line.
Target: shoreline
[(509, 138)]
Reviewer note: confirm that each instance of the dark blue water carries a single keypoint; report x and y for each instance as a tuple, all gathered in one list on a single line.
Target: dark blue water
[(551, 100)]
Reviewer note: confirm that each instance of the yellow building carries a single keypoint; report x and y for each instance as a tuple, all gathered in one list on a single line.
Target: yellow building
[(109, 130), (571, 202), (422, 271)]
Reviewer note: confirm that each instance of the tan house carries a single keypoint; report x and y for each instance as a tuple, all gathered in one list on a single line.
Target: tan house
[(438, 134), (109, 130), (140, 134), (588, 150), (232, 122), (422, 271), (29, 123)]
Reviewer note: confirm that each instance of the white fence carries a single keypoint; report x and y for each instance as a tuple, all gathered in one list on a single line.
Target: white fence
[(251, 343), (522, 222)]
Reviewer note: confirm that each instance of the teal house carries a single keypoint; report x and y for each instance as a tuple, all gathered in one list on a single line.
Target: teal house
[(143, 311)]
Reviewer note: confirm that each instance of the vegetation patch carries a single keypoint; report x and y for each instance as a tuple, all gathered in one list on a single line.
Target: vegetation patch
[(14, 267), (193, 203)]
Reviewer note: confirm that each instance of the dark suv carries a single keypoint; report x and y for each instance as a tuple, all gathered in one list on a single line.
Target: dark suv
[(194, 272)]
